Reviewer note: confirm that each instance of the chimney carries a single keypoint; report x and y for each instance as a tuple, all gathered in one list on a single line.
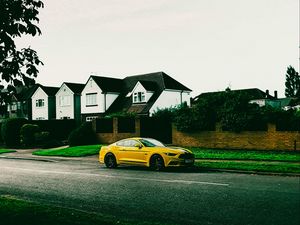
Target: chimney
[(275, 94), (267, 93)]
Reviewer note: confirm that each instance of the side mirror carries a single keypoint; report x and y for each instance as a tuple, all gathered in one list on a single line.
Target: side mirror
[(138, 145)]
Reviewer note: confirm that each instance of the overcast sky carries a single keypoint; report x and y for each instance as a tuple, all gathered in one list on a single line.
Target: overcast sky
[(207, 45)]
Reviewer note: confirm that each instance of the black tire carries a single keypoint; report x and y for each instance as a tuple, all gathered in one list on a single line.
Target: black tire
[(157, 163), (110, 161)]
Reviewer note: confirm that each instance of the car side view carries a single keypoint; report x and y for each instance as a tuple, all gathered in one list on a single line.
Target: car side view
[(145, 152)]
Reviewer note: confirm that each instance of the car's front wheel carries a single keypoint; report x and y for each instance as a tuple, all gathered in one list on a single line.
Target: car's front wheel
[(157, 163), (110, 161)]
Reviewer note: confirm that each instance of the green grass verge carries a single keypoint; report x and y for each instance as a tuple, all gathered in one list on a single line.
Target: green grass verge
[(5, 151), (276, 167), (15, 212), (246, 155), (76, 151)]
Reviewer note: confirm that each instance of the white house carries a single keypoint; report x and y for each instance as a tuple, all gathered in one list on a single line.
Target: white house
[(98, 95), (144, 94), (139, 94), (68, 101), (43, 103)]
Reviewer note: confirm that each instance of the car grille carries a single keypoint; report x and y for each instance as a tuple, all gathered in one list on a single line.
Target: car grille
[(186, 156)]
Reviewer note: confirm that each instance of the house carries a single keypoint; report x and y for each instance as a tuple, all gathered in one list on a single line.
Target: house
[(254, 95), (43, 103), (20, 104), (291, 103), (68, 101), (139, 94), (146, 93), (98, 95)]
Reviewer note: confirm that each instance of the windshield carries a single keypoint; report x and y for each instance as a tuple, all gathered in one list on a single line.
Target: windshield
[(149, 142)]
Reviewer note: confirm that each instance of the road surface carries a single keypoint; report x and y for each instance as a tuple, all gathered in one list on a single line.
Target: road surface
[(177, 197)]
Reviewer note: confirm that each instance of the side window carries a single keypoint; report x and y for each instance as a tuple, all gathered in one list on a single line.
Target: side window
[(120, 143), (132, 143)]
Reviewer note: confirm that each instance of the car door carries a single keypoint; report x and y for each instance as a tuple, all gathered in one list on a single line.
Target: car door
[(139, 153), (131, 153)]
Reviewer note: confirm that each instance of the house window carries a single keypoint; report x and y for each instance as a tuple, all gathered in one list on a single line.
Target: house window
[(13, 107), (90, 118), (39, 103), (65, 100), (91, 99), (139, 97)]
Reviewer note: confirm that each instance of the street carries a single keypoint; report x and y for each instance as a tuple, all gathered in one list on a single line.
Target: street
[(174, 196)]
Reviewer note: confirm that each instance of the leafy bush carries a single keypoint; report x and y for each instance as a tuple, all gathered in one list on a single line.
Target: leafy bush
[(42, 137), (1, 140), (183, 119), (27, 134), (45, 140), (120, 114), (83, 135), (10, 131), (166, 113)]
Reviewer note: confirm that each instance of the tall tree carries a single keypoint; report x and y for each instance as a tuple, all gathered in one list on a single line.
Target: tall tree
[(292, 83), (18, 18)]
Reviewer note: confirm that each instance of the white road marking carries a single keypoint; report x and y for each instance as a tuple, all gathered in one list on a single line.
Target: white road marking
[(119, 177)]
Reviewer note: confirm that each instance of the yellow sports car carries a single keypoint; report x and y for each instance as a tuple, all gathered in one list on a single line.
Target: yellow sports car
[(145, 152)]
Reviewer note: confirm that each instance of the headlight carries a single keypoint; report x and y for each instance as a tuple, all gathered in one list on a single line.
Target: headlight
[(170, 154)]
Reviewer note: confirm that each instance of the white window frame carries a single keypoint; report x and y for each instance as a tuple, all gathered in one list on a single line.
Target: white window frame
[(64, 100), (39, 103), (90, 118), (91, 99), (139, 97)]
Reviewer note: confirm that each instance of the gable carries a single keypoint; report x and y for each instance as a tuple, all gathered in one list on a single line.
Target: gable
[(64, 89), (91, 86), (38, 93)]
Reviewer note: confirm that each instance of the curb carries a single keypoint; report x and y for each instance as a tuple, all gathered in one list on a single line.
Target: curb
[(23, 158), (254, 172)]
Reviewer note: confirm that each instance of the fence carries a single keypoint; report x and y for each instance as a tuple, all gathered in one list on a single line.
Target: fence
[(109, 130), (259, 140)]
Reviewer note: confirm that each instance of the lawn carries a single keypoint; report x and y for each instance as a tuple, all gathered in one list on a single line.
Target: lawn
[(201, 153), (14, 212), (76, 151), (275, 167), (5, 151)]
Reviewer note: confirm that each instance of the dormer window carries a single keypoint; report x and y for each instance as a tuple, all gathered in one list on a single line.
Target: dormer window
[(139, 97)]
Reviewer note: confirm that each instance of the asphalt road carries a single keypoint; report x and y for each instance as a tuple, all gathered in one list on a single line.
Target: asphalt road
[(177, 197)]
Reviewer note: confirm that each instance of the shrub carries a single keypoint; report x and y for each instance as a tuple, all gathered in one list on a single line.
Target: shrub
[(1, 140), (83, 135), (27, 134), (10, 131), (45, 140), (166, 113)]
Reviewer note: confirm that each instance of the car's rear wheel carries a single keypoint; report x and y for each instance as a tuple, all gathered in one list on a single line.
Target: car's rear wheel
[(110, 161), (157, 163)]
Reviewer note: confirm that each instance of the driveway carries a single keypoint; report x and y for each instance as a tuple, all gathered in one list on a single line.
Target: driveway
[(178, 197)]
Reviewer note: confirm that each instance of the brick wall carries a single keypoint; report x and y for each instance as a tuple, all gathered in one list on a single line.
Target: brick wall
[(108, 138), (261, 140)]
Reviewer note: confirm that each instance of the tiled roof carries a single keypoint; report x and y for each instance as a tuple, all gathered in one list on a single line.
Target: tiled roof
[(149, 85), (108, 84), (163, 80), (27, 92), (75, 87), (50, 91), (155, 82), (252, 93)]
